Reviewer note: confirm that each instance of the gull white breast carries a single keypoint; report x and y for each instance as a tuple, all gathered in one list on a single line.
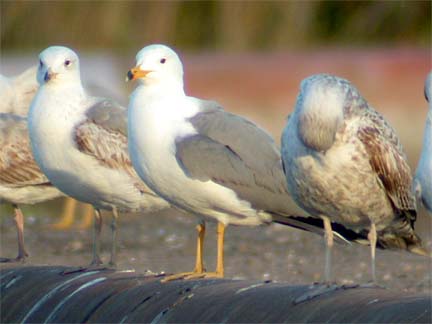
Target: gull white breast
[(80, 142)]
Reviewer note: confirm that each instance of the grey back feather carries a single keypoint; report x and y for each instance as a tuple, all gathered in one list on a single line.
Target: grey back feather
[(110, 115), (103, 135), (236, 153)]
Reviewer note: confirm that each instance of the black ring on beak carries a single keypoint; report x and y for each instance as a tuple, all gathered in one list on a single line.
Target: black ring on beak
[(130, 75), (47, 76)]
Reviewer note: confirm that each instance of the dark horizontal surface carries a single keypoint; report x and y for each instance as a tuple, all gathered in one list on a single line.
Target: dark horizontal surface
[(33, 294)]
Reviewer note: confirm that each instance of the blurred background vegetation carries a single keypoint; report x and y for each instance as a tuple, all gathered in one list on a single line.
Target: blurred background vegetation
[(214, 25)]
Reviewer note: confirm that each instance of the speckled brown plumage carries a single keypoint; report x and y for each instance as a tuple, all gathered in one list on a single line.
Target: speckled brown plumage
[(347, 164)]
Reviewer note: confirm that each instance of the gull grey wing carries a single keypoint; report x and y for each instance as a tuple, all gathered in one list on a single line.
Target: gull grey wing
[(235, 153), (110, 115), (388, 160), (103, 135), (17, 166), (255, 147), (203, 159)]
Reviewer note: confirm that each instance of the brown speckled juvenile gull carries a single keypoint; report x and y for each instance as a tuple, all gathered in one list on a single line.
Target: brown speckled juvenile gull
[(344, 163), (80, 143), (21, 181), (423, 177)]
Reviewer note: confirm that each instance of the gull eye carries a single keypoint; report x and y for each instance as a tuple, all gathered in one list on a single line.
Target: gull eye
[(40, 63), (163, 60), (67, 63)]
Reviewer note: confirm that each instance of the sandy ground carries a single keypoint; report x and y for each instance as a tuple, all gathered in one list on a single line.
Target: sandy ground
[(262, 87), (166, 242)]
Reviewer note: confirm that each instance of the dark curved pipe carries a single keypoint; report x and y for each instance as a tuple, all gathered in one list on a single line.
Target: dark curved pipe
[(44, 294)]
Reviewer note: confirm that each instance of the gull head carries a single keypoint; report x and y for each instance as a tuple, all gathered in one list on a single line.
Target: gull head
[(428, 88), (324, 92), (58, 65), (156, 64), (320, 110)]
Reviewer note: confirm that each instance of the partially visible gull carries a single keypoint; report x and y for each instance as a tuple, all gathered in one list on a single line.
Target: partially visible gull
[(208, 162), (80, 143), (21, 181), (344, 163), (423, 177), (17, 92)]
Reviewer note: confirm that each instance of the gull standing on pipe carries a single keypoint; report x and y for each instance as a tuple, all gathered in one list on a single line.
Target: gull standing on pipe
[(423, 176), (206, 161), (344, 163), (21, 181), (16, 94), (80, 143)]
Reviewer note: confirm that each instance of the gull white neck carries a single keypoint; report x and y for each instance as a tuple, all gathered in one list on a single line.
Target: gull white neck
[(54, 113)]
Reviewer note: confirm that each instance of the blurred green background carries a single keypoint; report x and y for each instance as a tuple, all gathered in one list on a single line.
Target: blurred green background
[(213, 25)]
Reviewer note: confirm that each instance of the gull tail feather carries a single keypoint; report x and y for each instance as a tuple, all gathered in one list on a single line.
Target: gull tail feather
[(401, 236), (315, 225)]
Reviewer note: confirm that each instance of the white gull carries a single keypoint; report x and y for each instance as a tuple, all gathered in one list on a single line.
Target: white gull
[(206, 161), (80, 143)]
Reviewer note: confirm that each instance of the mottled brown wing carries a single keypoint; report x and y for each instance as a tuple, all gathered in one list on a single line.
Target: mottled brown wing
[(17, 166), (103, 136), (388, 161)]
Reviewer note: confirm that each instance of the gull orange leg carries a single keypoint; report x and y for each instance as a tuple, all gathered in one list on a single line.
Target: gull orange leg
[(219, 273), (199, 264), (67, 217), (220, 256)]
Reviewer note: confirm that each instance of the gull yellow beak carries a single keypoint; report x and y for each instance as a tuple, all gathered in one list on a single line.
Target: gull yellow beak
[(136, 73)]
